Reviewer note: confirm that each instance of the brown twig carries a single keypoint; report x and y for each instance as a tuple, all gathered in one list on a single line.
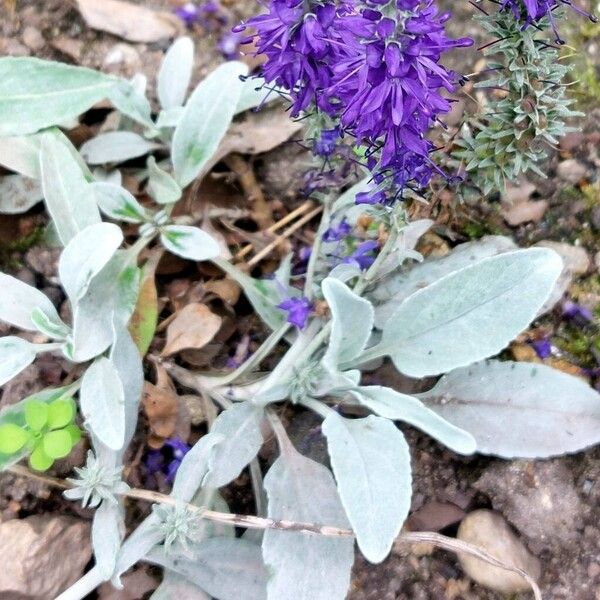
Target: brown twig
[(261, 211), (303, 208), (251, 522)]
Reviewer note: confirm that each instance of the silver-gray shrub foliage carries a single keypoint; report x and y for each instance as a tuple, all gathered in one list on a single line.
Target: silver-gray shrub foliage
[(434, 317)]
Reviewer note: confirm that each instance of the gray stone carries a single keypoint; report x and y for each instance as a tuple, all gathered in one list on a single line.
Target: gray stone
[(572, 171), (490, 532), (575, 258), (33, 39), (42, 555)]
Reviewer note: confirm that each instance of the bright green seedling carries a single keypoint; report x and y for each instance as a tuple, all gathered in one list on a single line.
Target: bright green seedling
[(47, 433)]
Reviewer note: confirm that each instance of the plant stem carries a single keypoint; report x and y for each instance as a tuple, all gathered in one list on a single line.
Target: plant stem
[(316, 250), (84, 586)]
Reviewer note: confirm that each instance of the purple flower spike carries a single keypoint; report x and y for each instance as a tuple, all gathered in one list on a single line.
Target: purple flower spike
[(337, 232), (577, 312), (543, 347), (363, 256), (298, 310), (326, 144), (189, 13), (168, 459), (229, 44)]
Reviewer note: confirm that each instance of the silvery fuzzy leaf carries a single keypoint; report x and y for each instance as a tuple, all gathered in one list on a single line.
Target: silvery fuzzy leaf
[(146, 536), (175, 587), (102, 175), (161, 186), (352, 322), (94, 312), (404, 247), (18, 301), (169, 118), (391, 404), (126, 359), (226, 568), (395, 288), (193, 468), (129, 98), (519, 409), (117, 203), (208, 113), (239, 427), (371, 464), (116, 147), (102, 401), (175, 73), (53, 328), (107, 528), (189, 242), (345, 271), (304, 566), (16, 354), (86, 255), (470, 314), (21, 154), (67, 193), (18, 194), (212, 499), (36, 94)]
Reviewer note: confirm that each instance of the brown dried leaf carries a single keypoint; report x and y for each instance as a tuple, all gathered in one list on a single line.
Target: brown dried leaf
[(161, 407), (193, 327), (226, 289), (128, 21)]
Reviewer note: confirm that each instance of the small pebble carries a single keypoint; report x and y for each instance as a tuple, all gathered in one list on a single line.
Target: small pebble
[(572, 171)]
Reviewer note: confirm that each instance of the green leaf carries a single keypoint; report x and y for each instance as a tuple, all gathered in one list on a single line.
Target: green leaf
[(129, 98), (119, 204), (68, 195), (470, 314), (161, 186), (36, 414), (16, 354), (75, 434), (189, 242), (175, 73), (239, 426), (21, 154), (518, 409), (57, 444), (12, 438), (391, 404), (206, 118), (371, 463), (116, 147), (35, 94), (102, 403), (39, 460), (106, 537), (61, 413), (352, 322), (304, 566), (53, 328)]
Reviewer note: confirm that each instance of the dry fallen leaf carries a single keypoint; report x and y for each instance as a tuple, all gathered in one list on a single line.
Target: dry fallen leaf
[(161, 407), (193, 327), (128, 21), (226, 289)]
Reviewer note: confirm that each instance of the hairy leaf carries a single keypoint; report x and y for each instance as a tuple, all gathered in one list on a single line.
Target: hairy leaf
[(239, 426), (304, 566), (18, 301), (189, 242), (117, 203), (68, 195), (86, 255), (175, 73), (161, 186), (116, 147), (107, 529), (226, 568), (371, 463), (470, 314), (35, 94), (207, 115), (18, 194), (129, 97), (391, 404), (518, 409), (103, 403)]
